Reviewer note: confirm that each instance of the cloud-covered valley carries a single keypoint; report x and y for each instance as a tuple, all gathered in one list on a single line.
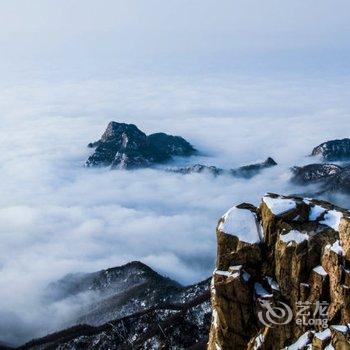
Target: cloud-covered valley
[(58, 217)]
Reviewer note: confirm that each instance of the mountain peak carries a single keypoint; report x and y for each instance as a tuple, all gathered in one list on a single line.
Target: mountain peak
[(124, 146)]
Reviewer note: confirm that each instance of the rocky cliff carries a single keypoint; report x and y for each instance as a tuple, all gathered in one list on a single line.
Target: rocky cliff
[(282, 277)]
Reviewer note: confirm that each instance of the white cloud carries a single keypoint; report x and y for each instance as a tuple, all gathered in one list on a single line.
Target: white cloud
[(57, 217), (63, 80)]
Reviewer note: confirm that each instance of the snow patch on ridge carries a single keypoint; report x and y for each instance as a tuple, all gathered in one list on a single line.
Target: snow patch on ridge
[(332, 219), (340, 328), (261, 291), (336, 247), (259, 342), (302, 341), (320, 270), (294, 236), (323, 335), (222, 273), (315, 212), (273, 284)]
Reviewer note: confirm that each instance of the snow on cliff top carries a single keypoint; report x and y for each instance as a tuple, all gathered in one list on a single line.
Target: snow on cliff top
[(279, 205), (332, 219), (241, 223)]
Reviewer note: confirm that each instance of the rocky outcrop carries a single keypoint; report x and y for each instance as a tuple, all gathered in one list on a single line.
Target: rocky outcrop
[(330, 177), (335, 150), (282, 276), (247, 171), (124, 146)]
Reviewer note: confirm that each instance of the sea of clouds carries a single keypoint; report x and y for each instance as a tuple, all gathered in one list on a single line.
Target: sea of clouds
[(58, 217)]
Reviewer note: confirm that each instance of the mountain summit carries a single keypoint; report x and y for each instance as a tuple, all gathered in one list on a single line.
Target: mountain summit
[(124, 146)]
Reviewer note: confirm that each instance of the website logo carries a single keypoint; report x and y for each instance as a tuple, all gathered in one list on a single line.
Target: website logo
[(273, 315), (307, 314)]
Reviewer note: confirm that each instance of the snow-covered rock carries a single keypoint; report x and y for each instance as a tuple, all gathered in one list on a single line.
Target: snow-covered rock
[(279, 205), (241, 223)]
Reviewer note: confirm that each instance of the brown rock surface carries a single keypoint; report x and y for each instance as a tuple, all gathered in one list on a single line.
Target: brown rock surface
[(282, 278)]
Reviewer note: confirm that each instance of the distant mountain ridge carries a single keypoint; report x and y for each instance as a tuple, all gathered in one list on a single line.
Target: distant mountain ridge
[(137, 308), (246, 171)]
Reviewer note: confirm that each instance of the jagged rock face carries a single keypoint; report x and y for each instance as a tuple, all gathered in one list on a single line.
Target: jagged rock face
[(247, 171), (331, 177), (124, 146), (272, 260), (335, 150), (180, 321)]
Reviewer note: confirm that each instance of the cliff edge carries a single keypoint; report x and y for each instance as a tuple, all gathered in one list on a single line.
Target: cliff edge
[(282, 277)]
